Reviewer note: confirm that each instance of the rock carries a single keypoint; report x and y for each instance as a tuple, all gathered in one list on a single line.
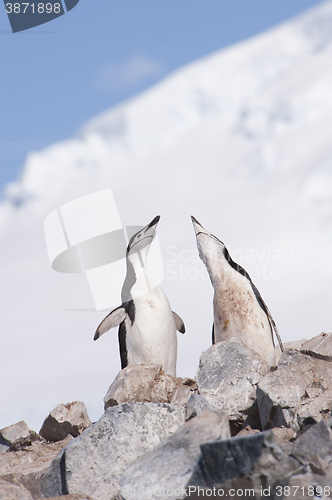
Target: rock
[(300, 388), (139, 383), (71, 418), (183, 391), (284, 437), (144, 383), (13, 433), (24, 442), (281, 433), (10, 491), (294, 344), (319, 347), (247, 431), (24, 468), (93, 463), (253, 461), (308, 487), (196, 405), (313, 443), (227, 376), (171, 463)]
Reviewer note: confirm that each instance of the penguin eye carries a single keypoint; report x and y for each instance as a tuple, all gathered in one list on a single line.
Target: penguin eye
[(139, 235)]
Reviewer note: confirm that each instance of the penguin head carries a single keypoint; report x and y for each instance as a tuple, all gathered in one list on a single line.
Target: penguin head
[(211, 250), (141, 241)]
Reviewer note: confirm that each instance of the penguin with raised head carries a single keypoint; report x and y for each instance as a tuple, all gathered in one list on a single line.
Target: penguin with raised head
[(238, 308), (147, 325)]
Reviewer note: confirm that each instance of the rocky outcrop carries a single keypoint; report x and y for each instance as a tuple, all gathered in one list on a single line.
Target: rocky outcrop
[(71, 418), (93, 463), (168, 467), (300, 388), (28, 454), (147, 383), (160, 450)]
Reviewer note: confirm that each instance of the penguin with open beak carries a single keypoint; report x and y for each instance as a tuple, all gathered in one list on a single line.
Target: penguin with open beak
[(147, 325), (238, 308)]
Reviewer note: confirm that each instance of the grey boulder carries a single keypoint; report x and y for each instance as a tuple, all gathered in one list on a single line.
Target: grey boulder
[(71, 418), (314, 445), (252, 461), (163, 472), (227, 376), (13, 434), (196, 405), (93, 463)]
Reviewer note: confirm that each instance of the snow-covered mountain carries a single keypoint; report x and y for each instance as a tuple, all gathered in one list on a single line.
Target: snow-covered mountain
[(242, 140)]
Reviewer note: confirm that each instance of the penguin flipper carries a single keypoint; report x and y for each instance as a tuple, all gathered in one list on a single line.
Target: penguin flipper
[(179, 324), (113, 319), (122, 336)]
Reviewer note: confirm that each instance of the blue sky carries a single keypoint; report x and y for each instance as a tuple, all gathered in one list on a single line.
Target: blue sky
[(56, 76)]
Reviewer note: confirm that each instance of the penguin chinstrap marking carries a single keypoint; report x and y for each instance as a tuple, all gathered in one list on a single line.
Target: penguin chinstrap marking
[(147, 325), (238, 308)]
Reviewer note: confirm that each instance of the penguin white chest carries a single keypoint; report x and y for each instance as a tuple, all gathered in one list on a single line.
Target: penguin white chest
[(238, 314), (152, 339)]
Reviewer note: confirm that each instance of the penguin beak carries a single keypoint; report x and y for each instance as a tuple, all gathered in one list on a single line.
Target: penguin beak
[(147, 234), (198, 227), (150, 229), (154, 222)]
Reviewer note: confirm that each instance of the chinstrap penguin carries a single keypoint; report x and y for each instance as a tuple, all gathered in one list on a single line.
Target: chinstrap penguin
[(147, 325), (238, 308)]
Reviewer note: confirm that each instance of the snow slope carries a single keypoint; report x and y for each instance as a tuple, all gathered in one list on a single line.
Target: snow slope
[(242, 141)]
